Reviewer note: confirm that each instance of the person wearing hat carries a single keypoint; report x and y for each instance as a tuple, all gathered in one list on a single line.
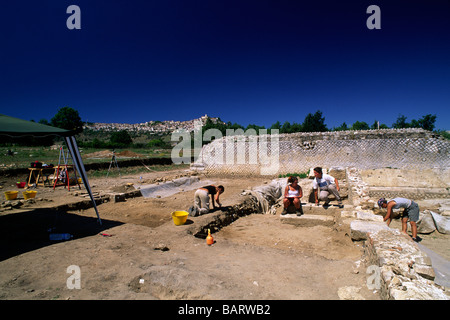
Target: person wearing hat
[(410, 211), (201, 199)]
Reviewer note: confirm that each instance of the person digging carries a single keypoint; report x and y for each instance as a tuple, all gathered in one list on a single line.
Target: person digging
[(201, 199), (410, 211)]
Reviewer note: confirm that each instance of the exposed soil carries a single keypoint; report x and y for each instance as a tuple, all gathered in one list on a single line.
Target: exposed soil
[(143, 255)]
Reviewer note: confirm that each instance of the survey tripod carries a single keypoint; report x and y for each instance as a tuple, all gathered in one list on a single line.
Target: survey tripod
[(113, 160)]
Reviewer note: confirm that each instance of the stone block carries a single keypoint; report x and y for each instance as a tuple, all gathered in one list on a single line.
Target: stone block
[(359, 228), (333, 209), (368, 216), (337, 172), (425, 271), (309, 220), (348, 214)]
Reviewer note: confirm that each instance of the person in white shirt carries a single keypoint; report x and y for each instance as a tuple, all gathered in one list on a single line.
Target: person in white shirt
[(323, 184), (292, 195)]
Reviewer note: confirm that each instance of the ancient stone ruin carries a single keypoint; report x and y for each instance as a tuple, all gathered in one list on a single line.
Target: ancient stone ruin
[(411, 163), (368, 149)]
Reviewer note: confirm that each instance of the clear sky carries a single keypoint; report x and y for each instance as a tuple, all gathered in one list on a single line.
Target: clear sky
[(245, 61)]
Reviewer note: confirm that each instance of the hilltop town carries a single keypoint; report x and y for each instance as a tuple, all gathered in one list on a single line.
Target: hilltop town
[(150, 126)]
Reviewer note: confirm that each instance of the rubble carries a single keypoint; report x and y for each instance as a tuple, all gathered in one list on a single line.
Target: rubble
[(406, 271)]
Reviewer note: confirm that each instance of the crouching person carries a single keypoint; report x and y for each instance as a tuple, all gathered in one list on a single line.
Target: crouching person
[(201, 199), (323, 184)]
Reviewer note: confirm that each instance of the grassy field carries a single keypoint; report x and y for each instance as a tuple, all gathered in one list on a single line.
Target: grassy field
[(22, 156)]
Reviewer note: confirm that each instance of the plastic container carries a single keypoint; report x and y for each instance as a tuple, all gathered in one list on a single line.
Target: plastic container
[(179, 217), (60, 236), (29, 194), (209, 238), (11, 195), (21, 185)]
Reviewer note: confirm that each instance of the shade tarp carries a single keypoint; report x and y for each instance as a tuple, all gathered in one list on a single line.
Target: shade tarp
[(15, 127)]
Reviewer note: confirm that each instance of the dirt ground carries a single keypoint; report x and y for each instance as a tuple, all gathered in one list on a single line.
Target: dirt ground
[(143, 255)]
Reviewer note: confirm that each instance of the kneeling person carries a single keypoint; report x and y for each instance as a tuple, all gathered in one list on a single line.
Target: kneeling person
[(201, 199)]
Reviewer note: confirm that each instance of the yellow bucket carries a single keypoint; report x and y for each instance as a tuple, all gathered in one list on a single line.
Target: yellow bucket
[(29, 194), (179, 217), (11, 195)]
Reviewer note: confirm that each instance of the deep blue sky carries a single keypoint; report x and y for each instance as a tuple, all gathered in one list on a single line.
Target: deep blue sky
[(243, 61)]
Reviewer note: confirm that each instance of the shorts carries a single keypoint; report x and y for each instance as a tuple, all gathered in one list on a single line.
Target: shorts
[(412, 212)]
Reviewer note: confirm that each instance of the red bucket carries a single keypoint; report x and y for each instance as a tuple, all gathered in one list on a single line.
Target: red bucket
[(21, 185)]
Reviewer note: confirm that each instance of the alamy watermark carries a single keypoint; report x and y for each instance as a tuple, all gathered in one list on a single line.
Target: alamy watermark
[(373, 281), (74, 20), (74, 280), (374, 20), (238, 147)]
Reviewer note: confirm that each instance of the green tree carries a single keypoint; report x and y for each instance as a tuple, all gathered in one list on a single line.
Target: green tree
[(342, 127), (413, 124), (67, 118), (427, 122), (360, 126), (296, 127), (400, 123), (375, 125), (255, 127), (276, 125), (156, 143), (234, 126), (120, 139), (44, 121), (286, 127), (314, 123)]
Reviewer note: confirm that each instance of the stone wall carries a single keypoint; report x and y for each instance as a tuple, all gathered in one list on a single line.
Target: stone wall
[(297, 152), (412, 184), (401, 271)]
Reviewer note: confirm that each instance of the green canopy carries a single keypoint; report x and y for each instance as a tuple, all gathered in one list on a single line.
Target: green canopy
[(17, 127)]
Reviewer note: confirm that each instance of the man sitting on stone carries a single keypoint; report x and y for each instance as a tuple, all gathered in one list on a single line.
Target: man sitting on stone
[(323, 184), (411, 212)]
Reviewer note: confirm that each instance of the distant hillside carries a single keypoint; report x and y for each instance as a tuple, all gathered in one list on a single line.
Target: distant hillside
[(149, 126)]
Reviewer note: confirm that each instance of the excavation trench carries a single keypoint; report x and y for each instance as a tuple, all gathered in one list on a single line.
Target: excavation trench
[(144, 255), (226, 216)]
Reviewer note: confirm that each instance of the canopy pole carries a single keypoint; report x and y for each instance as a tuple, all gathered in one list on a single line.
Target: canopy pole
[(76, 157)]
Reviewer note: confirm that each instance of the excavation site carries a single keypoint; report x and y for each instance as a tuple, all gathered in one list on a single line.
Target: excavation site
[(341, 250)]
